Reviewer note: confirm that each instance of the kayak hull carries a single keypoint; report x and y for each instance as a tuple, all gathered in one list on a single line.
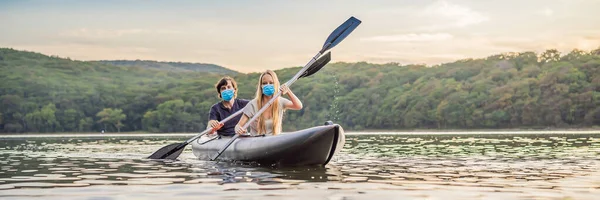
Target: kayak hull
[(312, 146)]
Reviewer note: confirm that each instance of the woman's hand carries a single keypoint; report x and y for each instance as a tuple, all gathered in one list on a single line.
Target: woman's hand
[(296, 104), (284, 89), (240, 130)]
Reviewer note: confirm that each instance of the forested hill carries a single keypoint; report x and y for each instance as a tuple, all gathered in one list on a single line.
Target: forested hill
[(39, 93), (172, 66)]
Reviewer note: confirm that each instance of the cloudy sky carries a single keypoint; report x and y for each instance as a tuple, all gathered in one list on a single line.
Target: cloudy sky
[(251, 36)]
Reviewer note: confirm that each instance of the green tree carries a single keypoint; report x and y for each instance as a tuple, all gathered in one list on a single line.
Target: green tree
[(43, 120), (112, 117), (85, 124), (508, 90), (550, 55), (70, 119)]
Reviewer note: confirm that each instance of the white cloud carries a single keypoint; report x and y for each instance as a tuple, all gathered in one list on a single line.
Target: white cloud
[(412, 37), (111, 33), (448, 15), (93, 52), (546, 12), (471, 46)]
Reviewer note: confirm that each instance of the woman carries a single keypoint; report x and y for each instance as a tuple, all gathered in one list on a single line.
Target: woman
[(269, 122), (227, 92)]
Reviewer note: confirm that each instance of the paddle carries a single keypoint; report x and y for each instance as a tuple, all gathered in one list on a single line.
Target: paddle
[(323, 60), (173, 151), (334, 38)]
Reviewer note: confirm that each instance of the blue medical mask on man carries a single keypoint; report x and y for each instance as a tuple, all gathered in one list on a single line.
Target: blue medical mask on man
[(227, 95), (268, 89)]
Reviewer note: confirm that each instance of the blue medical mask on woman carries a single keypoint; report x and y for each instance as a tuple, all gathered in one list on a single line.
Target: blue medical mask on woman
[(227, 95), (268, 89)]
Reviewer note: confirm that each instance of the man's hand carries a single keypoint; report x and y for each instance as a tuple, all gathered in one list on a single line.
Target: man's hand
[(216, 125)]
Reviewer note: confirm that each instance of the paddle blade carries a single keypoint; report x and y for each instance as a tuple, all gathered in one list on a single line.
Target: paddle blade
[(171, 152), (340, 33), (315, 67)]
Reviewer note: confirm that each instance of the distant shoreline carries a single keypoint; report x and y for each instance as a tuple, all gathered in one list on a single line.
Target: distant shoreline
[(592, 130), (101, 135), (348, 132), (481, 130)]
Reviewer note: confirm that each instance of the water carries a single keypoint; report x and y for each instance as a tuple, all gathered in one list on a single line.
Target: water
[(502, 165)]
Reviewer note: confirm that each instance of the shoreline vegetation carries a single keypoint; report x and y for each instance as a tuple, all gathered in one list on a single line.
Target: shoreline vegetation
[(591, 130), (507, 91)]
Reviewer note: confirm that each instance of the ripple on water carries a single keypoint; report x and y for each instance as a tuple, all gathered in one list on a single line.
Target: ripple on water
[(436, 167), (92, 177)]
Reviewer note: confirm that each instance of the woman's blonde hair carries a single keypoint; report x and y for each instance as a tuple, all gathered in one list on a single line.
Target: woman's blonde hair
[(261, 126)]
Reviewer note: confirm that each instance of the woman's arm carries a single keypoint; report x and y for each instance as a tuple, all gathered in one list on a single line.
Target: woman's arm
[(295, 103)]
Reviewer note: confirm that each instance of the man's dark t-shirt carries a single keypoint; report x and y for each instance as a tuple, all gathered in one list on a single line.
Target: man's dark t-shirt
[(219, 112)]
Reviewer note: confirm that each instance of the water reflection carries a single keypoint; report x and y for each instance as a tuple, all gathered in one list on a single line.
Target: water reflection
[(58, 162), (531, 146), (523, 164)]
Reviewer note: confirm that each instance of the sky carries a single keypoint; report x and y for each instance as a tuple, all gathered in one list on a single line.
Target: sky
[(252, 36)]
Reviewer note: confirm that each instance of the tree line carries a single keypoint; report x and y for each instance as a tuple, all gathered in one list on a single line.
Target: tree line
[(40, 93)]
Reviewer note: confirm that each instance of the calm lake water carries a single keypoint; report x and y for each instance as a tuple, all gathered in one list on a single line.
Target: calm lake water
[(501, 165)]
